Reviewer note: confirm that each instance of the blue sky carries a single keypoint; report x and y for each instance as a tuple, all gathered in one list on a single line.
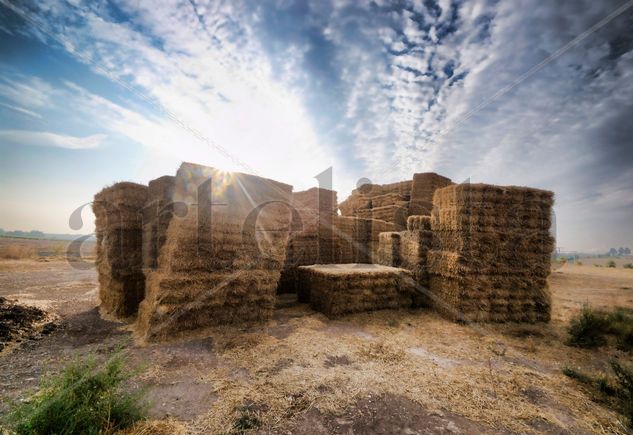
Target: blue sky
[(93, 92)]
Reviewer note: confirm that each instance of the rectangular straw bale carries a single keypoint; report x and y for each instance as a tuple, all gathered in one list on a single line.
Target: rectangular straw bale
[(391, 213), (487, 194), (452, 264), (389, 199), (178, 303), (401, 187), (340, 289), (472, 300), (422, 190), (417, 222), (419, 207), (157, 214), (353, 204), (388, 249), (505, 243)]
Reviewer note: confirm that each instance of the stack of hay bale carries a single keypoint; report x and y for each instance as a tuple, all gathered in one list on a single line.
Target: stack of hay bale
[(336, 289), (156, 217), (395, 202), (387, 202), (119, 228), (221, 262), (491, 252), (408, 250), (424, 186), (312, 238)]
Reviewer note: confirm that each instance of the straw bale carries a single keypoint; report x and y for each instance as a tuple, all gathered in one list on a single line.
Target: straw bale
[(389, 199), (513, 300), (157, 214), (337, 289), (419, 207), (401, 187), (315, 198), (487, 194), (417, 222), (353, 204), (422, 190), (503, 243), (391, 213), (453, 264), (181, 302), (369, 190), (389, 249), (119, 252)]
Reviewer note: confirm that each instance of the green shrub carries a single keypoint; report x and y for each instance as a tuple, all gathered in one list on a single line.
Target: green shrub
[(628, 266), (591, 327), (611, 263), (83, 399), (588, 329)]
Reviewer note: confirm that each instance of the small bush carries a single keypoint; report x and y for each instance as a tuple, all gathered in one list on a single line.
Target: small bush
[(588, 329), (83, 399), (611, 263), (579, 263), (591, 327), (597, 265), (628, 266)]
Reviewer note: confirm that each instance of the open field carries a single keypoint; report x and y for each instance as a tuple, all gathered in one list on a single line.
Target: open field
[(383, 372), (15, 248), (602, 261)]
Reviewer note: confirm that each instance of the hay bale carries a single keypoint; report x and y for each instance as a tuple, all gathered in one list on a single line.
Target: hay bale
[(423, 187), (157, 214), (414, 248), (417, 222), (491, 252), (391, 213), (337, 289), (221, 262), (388, 249), (353, 204), (389, 199), (118, 211)]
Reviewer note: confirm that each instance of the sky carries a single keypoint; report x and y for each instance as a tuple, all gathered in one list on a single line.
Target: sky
[(519, 92)]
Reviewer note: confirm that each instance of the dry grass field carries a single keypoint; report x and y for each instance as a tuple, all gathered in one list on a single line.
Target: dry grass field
[(14, 248), (383, 372)]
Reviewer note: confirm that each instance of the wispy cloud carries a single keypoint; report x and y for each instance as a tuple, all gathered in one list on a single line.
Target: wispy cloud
[(48, 139), (21, 110)]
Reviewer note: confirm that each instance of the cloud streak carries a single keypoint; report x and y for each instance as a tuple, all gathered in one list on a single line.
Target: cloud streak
[(48, 139)]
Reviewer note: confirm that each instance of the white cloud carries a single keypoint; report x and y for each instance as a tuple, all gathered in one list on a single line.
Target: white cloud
[(47, 139)]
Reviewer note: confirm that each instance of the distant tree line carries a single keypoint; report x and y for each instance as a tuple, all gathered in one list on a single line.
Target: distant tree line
[(619, 252), (28, 234)]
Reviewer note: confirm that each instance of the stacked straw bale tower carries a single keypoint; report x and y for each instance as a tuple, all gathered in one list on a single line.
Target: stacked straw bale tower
[(119, 229), (491, 253), (221, 261)]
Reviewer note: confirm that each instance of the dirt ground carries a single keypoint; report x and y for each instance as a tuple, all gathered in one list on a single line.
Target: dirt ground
[(384, 372)]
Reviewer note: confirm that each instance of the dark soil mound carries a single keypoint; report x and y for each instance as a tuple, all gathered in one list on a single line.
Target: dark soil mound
[(17, 321)]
